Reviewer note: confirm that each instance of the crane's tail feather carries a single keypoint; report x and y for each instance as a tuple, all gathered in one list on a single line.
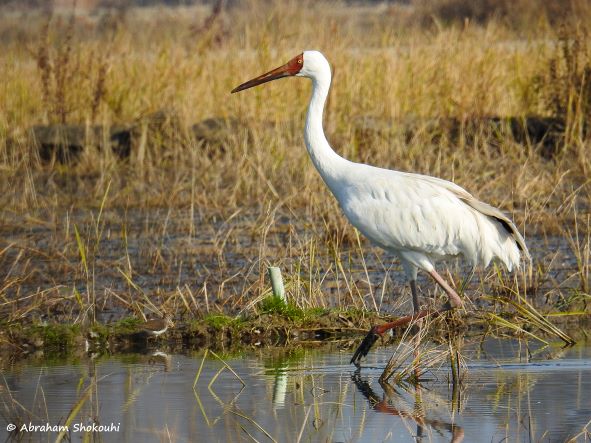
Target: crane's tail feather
[(505, 221)]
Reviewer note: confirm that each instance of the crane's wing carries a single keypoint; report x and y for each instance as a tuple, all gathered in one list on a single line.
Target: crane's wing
[(413, 212), (483, 208)]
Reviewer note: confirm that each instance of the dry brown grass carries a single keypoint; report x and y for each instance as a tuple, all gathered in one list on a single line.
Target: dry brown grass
[(181, 214)]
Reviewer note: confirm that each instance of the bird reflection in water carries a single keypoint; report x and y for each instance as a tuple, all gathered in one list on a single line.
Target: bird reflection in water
[(159, 357), (385, 404)]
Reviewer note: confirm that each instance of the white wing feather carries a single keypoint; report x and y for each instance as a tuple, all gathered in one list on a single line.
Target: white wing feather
[(424, 218)]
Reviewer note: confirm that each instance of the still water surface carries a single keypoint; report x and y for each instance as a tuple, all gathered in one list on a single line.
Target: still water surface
[(510, 393)]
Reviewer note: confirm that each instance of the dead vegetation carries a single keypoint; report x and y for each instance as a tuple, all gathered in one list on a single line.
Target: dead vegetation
[(190, 216)]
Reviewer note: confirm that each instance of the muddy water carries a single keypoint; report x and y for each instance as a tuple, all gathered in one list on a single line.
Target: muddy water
[(510, 392), (169, 249)]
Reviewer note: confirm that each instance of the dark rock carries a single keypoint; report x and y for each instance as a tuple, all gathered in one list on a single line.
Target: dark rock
[(546, 134), (120, 139), (156, 132), (65, 143), (214, 133)]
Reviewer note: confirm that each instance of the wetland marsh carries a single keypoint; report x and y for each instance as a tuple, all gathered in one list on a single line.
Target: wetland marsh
[(132, 185)]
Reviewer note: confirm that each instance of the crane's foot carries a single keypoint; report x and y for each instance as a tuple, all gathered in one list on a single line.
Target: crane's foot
[(365, 346), (377, 331)]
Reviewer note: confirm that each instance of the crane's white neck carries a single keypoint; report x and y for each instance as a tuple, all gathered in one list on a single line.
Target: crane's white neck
[(329, 164)]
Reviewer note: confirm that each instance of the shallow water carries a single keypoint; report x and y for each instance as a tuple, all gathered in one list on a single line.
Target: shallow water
[(509, 393)]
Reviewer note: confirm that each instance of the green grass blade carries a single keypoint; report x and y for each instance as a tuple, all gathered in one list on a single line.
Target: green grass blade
[(81, 249)]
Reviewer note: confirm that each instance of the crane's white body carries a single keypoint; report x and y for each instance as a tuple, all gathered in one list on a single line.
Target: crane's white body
[(419, 218)]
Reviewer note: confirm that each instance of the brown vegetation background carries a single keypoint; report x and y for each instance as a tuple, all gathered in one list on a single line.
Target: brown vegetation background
[(446, 88)]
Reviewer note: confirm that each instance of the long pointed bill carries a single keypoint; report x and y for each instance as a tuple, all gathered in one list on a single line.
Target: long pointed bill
[(289, 69)]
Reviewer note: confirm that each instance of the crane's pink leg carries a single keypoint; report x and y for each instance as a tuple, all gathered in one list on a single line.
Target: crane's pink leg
[(454, 298), (375, 332)]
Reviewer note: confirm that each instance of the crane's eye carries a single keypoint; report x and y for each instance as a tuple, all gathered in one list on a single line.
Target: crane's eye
[(300, 61)]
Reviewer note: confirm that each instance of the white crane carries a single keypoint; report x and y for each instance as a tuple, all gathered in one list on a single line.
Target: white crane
[(421, 219)]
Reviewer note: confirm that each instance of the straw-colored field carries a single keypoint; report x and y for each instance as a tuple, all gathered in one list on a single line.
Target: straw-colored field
[(188, 226)]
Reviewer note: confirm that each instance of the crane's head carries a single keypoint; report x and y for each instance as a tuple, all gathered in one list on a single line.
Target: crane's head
[(307, 64)]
